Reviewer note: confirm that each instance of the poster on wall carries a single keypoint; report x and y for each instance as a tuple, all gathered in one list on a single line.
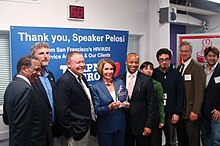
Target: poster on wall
[(199, 43), (94, 44)]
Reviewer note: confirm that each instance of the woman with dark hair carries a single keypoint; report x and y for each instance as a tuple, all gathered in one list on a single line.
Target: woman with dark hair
[(155, 137), (110, 96)]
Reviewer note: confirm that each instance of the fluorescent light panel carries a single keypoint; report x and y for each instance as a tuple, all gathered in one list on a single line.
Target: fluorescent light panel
[(214, 1)]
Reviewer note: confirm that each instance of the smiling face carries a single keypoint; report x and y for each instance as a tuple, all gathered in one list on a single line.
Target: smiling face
[(107, 72), (34, 71), (211, 58), (147, 70), (185, 52), (31, 72), (76, 64), (132, 63)]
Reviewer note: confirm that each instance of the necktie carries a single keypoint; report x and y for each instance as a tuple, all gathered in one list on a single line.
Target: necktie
[(182, 69), (89, 97), (130, 85)]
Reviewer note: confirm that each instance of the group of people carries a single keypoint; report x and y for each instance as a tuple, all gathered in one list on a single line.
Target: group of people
[(129, 110)]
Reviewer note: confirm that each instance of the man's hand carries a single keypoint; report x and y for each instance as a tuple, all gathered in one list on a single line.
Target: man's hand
[(215, 115), (147, 131), (175, 119), (193, 116)]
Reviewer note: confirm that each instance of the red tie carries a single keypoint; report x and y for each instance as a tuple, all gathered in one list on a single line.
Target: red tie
[(130, 85)]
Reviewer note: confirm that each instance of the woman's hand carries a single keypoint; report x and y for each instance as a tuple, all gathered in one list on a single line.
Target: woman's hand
[(114, 105)]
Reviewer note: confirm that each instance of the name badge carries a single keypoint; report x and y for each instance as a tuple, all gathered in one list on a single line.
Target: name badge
[(187, 77), (217, 80)]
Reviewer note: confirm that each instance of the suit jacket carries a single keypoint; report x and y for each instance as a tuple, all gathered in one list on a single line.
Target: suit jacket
[(212, 93), (194, 84), (143, 107), (24, 114), (109, 121), (72, 106), (52, 128)]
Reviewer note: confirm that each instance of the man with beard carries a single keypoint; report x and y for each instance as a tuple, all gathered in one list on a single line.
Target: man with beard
[(44, 88), (141, 116), (210, 122), (172, 83)]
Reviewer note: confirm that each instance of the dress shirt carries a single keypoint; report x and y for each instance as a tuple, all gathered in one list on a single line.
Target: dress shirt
[(48, 88), (186, 65), (87, 91), (128, 77), (209, 72), (113, 95)]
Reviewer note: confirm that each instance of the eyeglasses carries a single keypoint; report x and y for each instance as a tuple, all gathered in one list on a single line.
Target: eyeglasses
[(164, 59), (37, 69)]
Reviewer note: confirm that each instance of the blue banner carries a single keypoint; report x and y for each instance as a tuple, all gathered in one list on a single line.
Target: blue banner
[(94, 44)]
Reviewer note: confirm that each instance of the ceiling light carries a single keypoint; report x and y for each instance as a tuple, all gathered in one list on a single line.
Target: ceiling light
[(214, 1)]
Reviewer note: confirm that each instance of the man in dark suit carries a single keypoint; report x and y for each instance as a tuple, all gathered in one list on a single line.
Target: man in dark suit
[(194, 83), (210, 122), (44, 88), (73, 102), (22, 109), (141, 116)]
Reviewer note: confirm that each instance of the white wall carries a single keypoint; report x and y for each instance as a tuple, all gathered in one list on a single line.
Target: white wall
[(138, 17)]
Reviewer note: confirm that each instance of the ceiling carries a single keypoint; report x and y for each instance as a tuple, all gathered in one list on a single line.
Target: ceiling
[(203, 4)]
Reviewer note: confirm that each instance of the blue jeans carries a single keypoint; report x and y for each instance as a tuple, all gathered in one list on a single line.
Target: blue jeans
[(210, 132)]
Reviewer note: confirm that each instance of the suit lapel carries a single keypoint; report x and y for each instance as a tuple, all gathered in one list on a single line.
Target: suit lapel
[(76, 82), (189, 67), (215, 74), (103, 87), (137, 85), (42, 91)]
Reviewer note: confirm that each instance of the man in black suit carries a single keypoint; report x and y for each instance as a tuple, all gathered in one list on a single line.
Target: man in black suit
[(210, 122), (22, 109), (141, 116), (44, 88), (73, 102)]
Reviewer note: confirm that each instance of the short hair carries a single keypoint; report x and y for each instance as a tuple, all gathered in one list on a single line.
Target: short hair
[(212, 49), (101, 64), (38, 45), (186, 43), (70, 54), (131, 54), (163, 51), (146, 64), (25, 61)]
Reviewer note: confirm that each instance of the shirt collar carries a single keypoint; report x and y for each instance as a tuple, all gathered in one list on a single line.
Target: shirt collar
[(213, 66), (187, 62), (73, 73), (134, 74), (24, 78), (46, 73)]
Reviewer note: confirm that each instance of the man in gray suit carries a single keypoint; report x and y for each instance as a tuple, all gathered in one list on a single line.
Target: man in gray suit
[(192, 72)]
